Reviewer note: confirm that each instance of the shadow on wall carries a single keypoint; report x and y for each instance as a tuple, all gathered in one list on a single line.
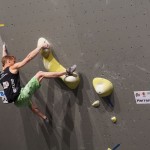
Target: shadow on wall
[(34, 138), (111, 103), (61, 113), (76, 131), (47, 129), (65, 130), (61, 133), (85, 132)]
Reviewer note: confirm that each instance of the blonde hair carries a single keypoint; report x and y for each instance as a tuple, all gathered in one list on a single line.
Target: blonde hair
[(5, 58)]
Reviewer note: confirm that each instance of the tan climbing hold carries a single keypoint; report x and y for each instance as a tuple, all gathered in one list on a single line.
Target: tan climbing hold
[(96, 103)]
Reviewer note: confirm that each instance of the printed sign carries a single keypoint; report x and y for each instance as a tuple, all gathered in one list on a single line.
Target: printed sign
[(142, 97)]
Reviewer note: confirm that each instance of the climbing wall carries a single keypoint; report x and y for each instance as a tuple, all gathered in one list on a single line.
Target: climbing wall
[(105, 38)]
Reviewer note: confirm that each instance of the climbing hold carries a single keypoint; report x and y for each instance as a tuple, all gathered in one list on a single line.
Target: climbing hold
[(114, 119), (45, 52), (102, 86), (2, 25), (52, 65), (96, 103), (109, 149)]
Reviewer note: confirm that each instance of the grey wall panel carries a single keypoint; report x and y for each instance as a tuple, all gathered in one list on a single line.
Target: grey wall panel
[(105, 38)]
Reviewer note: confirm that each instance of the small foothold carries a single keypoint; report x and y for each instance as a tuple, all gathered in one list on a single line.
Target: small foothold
[(109, 149), (114, 119), (96, 103)]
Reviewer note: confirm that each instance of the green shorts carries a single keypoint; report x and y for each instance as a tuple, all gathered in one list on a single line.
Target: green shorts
[(24, 98)]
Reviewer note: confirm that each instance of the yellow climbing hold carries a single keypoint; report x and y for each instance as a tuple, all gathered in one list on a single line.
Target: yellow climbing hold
[(1, 25), (52, 65), (102, 86), (114, 119), (96, 103)]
